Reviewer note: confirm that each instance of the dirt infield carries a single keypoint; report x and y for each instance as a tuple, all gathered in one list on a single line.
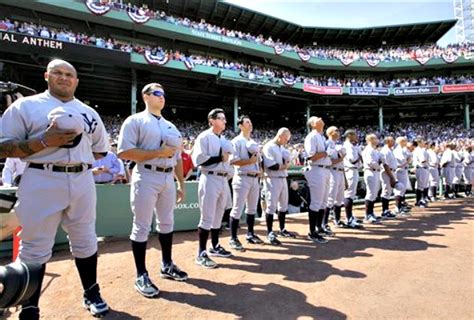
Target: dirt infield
[(420, 267)]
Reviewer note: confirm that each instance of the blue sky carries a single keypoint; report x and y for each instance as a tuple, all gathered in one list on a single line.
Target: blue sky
[(355, 13)]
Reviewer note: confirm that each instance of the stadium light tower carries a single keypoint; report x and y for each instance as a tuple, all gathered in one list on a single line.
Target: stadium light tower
[(464, 13)]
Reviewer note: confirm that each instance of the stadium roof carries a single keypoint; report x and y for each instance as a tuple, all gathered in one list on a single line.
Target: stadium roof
[(238, 18)]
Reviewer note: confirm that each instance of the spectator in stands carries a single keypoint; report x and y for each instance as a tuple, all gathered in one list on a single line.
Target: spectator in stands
[(12, 171), (106, 168)]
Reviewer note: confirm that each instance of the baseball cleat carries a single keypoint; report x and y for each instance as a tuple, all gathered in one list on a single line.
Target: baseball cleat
[(387, 214), (285, 233), (236, 245), (219, 251), (253, 239), (172, 272), (94, 303), (204, 261), (316, 238), (272, 239), (145, 287)]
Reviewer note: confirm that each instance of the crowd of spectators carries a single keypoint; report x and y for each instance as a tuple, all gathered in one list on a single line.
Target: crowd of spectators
[(383, 54), (249, 71)]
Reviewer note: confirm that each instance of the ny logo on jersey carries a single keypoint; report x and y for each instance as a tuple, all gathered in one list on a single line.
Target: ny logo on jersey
[(91, 124)]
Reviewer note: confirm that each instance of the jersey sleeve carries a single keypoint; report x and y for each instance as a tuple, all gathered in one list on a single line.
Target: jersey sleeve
[(128, 136), (309, 146), (236, 146), (269, 157), (13, 123), (200, 155)]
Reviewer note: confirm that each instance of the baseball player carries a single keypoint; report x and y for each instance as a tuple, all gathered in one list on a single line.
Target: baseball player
[(433, 170), (352, 163), (336, 177), (468, 164), (458, 169), (57, 186), (387, 176), (211, 153), (373, 161), (403, 158), (154, 144), (420, 162), (318, 176), (276, 163), (447, 164), (12, 171), (245, 159)]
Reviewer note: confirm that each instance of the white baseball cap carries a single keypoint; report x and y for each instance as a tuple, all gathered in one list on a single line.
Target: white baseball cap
[(68, 118)]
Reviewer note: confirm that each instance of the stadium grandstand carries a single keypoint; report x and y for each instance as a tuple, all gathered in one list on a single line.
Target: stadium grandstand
[(214, 54)]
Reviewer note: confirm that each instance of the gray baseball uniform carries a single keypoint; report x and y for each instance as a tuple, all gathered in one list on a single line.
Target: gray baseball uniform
[(389, 159), (447, 164), (275, 180), (403, 156), (336, 175), (468, 164), (245, 182), (352, 164), (433, 162), (213, 189), (46, 196), (318, 174), (420, 162), (153, 189), (372, 165), (458, 168)]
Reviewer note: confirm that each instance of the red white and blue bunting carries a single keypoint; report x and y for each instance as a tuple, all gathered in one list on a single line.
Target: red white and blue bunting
[(288, 81), (346, 61), (449, 57), (305, 57), (278, 49), (160, 59), (189, 64), (96, 7), (422, 60), (372, 62), (139, 17)]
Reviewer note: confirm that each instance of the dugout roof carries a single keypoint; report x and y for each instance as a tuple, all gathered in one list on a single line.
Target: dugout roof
[(220, 13)]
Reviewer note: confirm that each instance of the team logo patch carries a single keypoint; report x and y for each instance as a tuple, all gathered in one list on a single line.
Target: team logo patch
[(90, 124), (278, 49), (304, 56), (139, 17), (288, 81), (346, 61), (449, 57), (160, 58), (96, 7), (189, 64)]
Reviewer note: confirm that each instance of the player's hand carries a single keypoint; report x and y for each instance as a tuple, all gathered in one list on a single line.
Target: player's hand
[(225, 157), (180, 195), (254, 158), (105, 169), (167, 152), (96, 171), (55, 137)]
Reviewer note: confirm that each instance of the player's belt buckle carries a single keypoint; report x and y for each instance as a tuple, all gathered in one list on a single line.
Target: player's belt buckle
[(337, 169), (216, 173), (322, 166), (158, 169), (251, 175)]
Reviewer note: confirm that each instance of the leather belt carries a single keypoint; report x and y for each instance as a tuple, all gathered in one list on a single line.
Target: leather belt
[(216, 173), (76, 168), (158, 169), (418, 167), (338, 169), (321, 166), (370, 169), (251, 175)]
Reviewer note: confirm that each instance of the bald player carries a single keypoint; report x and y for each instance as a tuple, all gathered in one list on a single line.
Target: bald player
[(403, 157), (154, 144), (211, 153), (318, 176), (245, 159), (336, 177), (373, 162), (276, 162), (387, 176), (352, 164), (57, 187)]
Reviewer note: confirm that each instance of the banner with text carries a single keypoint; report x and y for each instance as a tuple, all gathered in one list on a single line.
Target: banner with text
[(410, 91), (456, 88), (334, 91), (368, 91)]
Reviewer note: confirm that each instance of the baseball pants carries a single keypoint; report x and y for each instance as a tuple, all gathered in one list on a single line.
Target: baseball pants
[(372, 184), (336, 188), (213, 193), (276, 194), (246, 190), (352, 178), (318, 183), (422, 178)]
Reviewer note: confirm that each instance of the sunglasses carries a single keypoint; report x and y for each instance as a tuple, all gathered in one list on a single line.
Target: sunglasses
[(157, 93)]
